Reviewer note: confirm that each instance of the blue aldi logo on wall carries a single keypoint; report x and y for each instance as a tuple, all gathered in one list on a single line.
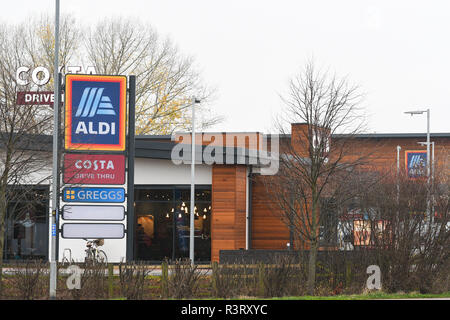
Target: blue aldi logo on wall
[(416, 163), (95, 112)]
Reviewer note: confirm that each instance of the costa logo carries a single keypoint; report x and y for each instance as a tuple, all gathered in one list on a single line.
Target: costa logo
[(95, 165), (94, 169)]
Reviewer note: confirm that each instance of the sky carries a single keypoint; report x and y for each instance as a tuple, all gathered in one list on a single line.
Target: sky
[(397, 52)]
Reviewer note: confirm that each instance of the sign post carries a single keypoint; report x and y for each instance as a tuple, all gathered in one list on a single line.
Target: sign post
[(130, 181), (96, 147), (55, 175)]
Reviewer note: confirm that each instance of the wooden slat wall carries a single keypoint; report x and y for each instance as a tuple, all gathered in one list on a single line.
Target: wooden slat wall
[(228, 208), (268, 229)]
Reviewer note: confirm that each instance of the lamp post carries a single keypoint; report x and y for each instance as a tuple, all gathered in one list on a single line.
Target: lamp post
[(191, 229), (428, 135), (432, 178), (55, 176), (428, 154)]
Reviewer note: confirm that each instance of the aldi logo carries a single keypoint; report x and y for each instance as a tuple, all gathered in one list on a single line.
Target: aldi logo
[(95, 112), (416, 163), (90, 106)]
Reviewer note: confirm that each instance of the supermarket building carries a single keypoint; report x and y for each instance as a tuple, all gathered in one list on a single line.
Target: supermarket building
[(232, 208)]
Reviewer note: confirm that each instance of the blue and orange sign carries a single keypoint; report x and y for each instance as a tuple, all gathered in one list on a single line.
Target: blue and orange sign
[(416, 163), (95, 112)]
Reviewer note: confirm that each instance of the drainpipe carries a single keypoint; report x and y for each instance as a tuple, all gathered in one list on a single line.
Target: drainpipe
[(249, 210)]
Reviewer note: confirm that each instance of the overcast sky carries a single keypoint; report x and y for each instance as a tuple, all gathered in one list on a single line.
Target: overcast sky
[(397, 51)]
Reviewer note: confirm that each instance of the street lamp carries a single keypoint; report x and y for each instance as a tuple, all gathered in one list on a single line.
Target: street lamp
[(428, 152), (191, 233), (432, 177), (428, 135)]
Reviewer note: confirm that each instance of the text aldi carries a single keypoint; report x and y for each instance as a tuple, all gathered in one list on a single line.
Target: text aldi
[(95, 112), (94, 168)]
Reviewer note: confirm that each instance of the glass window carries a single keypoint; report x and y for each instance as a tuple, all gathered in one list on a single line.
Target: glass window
[(163, 223), (154, 231), (201, 194), (26, 228), (153, 195)]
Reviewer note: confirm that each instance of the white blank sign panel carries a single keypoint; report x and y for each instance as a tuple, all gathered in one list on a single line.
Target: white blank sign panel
[(83, 212), (93, 230)]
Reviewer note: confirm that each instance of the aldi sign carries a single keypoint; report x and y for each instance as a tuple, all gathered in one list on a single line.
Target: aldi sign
[(95, 112), (416, 163), (99, 195), (94, 168)]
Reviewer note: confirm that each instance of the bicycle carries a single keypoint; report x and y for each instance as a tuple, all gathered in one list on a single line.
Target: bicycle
[(93, 254)]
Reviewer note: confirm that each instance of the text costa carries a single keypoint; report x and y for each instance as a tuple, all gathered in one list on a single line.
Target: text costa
[(95, 165)]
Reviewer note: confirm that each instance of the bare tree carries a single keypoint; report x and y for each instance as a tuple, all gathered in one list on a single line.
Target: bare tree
[(23, 156), (410, 246), (314, 168), (166, 80)]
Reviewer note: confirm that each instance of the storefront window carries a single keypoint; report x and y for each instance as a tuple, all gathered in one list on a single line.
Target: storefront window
[(26, 227), (163, 222)]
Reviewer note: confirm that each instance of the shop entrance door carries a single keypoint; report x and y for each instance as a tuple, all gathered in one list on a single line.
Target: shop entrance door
[(163, 221)]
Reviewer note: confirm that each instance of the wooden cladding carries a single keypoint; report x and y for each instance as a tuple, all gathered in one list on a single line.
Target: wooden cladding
[(228, 221), (268, 229)]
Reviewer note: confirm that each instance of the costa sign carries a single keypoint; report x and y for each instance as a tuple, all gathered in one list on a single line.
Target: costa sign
[(94, 169), (35, 98), (95, 112), (41, 75)]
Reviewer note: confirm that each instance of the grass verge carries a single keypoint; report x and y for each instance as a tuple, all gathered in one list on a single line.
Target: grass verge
[(370, 296)]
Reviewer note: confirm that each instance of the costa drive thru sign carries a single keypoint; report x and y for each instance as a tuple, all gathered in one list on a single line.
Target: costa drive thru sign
[(95, 108), (94, 168)]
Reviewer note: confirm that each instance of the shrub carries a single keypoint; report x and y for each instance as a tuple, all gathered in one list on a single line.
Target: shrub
[(279, 277), (93, 282), (227, 280), (184, 279), (27, 278), (132, 277)]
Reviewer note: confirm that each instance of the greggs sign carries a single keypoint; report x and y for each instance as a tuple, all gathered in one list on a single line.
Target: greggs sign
[(95, 112), (94, 168)]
